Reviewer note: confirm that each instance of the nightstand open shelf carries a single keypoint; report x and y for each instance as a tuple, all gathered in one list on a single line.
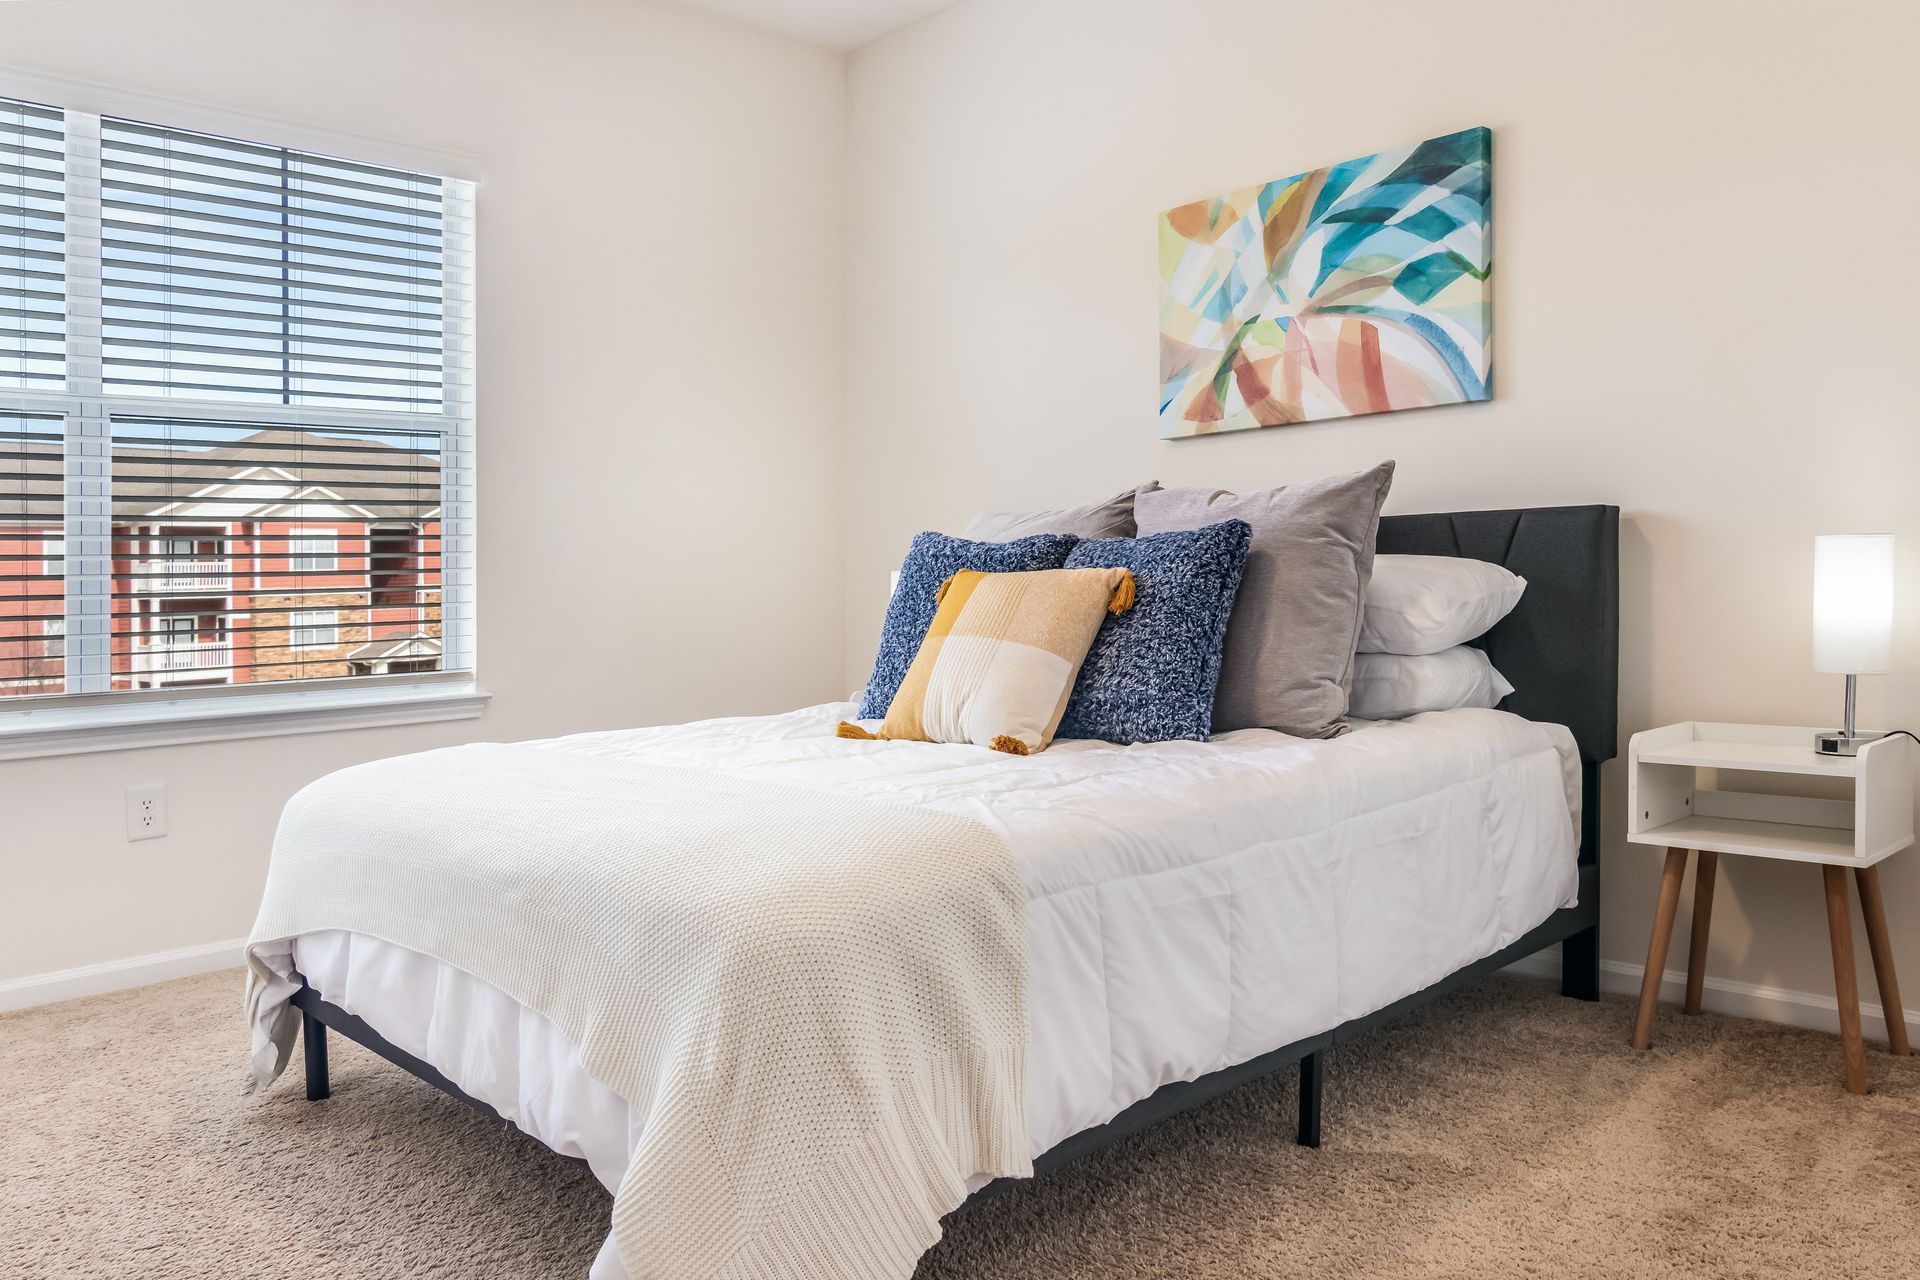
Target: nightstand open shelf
[(1802, 843), (1667, 805)]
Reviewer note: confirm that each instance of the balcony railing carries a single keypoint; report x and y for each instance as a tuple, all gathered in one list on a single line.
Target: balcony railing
[(170, 659), (200, 574)]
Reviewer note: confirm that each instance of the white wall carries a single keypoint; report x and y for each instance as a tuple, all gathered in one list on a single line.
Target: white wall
[(660, 254), (1705, 289)]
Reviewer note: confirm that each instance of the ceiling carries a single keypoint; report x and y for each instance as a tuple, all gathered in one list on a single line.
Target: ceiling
[(841, 24)]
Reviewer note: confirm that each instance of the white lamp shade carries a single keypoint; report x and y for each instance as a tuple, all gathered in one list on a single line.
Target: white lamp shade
[(1853, 603)]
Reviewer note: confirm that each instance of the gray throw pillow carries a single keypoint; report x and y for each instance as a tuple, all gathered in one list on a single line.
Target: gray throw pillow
[(1289, 657), (1110, 519)]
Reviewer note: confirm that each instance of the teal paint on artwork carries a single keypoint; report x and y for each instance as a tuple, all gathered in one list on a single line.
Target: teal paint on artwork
[(1431, 223), (1219, 306), (1339, 178), (1419, 282)]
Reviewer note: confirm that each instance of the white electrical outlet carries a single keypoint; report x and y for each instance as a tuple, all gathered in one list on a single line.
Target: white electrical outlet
[(147, 811)]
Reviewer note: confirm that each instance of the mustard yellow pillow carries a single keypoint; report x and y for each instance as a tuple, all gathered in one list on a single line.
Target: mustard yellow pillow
[(999, 661)]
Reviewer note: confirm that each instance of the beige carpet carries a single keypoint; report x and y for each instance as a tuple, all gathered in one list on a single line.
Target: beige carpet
[(1502, 1132)]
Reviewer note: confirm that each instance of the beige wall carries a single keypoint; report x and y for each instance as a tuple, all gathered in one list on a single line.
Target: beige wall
[(1704, 313), (660, 373)]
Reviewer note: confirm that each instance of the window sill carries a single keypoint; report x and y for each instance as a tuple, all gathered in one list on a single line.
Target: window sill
[(28, 734)]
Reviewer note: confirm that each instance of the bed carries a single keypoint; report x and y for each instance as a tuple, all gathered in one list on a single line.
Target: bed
[(1197, 914)]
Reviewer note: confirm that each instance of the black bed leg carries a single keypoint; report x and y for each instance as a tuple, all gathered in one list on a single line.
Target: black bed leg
[(313, 1038), (1580, 965), (1313, 1074)]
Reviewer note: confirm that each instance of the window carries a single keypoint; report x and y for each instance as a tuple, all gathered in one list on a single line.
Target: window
[(315, 629), (258, 371), (315, 551), (178, 630)]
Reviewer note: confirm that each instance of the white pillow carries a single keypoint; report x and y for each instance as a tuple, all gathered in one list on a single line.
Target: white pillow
[(1392, 686), (1423, 604)]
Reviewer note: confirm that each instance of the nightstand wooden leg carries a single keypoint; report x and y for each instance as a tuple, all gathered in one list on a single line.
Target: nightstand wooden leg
[(1705, 863), (1846, 987), (1657, 946), (1874, 908)]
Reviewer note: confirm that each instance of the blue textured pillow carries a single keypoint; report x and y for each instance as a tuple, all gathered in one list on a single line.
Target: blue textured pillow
[(1151, 673), (933, 558)]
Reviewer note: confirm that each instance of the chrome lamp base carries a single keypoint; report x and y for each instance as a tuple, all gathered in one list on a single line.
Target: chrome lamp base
[(1838, 742)]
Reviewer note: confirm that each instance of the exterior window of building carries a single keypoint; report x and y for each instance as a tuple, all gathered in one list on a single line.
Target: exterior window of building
[(316, 629), (177, 631), (318, 551)]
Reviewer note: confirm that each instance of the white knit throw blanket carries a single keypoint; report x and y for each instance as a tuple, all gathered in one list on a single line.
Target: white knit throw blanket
[(816, 1003)]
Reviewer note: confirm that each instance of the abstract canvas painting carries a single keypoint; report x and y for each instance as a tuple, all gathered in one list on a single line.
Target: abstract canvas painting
[(1359, 288)]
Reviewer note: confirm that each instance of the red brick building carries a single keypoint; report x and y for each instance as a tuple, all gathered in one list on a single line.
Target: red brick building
[(260, 554)]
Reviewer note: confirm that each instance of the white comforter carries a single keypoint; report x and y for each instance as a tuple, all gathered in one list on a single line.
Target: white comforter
[(1189, 905)]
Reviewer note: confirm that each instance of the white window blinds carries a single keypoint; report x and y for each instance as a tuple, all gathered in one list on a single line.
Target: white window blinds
[(32, 245), (236, 390), (32, 553), (256, 273)]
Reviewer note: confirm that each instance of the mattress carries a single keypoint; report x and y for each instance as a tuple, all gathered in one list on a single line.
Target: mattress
[(1189, 905)]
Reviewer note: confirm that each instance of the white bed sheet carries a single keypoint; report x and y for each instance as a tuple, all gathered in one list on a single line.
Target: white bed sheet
[(1189, 905)]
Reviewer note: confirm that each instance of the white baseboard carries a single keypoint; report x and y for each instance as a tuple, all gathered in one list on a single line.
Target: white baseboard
[(118, 975), (1809, 1009)]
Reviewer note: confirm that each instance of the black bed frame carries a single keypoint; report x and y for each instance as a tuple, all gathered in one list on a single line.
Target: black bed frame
[(1559, 648)]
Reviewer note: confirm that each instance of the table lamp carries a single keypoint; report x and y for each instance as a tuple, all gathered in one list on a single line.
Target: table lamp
[(1852, 621)]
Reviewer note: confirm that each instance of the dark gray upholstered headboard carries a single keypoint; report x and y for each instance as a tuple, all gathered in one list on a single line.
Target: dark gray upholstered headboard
[(1561, 645)]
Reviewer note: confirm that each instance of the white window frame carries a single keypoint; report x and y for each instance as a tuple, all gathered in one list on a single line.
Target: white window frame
[(304, 624), (53, 551), (314, 551), (91, 717), (53, 636)]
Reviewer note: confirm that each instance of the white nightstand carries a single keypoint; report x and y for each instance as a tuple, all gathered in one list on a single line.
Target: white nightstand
[(1667, 806)]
